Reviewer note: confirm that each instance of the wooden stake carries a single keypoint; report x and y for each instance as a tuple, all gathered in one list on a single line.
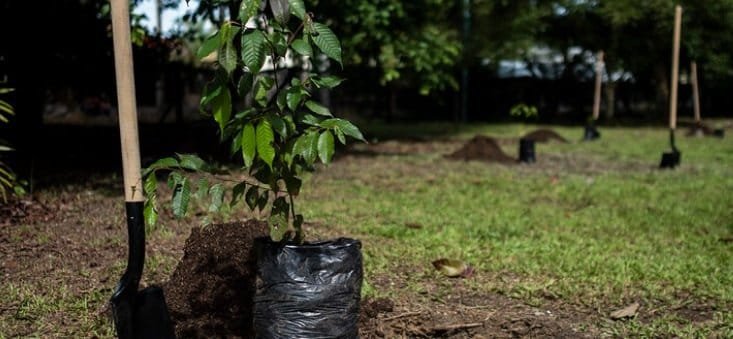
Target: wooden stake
[(599, 83), (675, 67), (695, 92), (126, 104)]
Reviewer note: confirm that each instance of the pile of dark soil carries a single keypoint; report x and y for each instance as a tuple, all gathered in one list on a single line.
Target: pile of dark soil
[(211, 291), (482, 148), (544, 135), (700, 129)]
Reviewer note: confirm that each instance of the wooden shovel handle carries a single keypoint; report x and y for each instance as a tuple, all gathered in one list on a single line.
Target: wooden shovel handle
[(675, 67), (127, 106), (599, 84)]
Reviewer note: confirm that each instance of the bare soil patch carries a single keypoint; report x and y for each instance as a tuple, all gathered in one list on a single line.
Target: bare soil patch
[(467, 315)]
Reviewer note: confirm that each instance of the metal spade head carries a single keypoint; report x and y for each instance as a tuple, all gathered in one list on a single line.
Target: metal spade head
[(670, 159), (526, 151)]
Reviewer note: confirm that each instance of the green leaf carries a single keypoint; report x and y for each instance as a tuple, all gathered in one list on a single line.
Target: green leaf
[(181, 197), (317, 108), (281, 101), (278, 125), (251, 197), (245, 84), (236, 144), (217, 197), (279, 42), (202, 189), (302, 47), (327, 81), (310, 119), (307, 147), (222, 108), (325, 147), (278, 220), (211, 91), (262, 87), (168, 162), (228, 57), (249, 144), (151, 184), (238, 192), (280, 10), (191, 162), (174, 179), (343, 126), (209, 45), (227, 53), (265, 138), (254, 50), (327, 41), (340, 135), (293, 97), (297, 8), (150, 213), (262, 200), (293, 184), (248, 9)]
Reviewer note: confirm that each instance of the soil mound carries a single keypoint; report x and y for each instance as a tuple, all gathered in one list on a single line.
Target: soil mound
[(211, 291), (701, 129), (544, 135), (481, 148)]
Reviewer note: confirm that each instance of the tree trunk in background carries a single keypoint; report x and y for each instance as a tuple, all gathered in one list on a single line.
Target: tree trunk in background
[(662, 85), (610, 91)]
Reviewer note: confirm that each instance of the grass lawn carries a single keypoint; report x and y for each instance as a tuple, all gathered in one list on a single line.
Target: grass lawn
[(587, 230)]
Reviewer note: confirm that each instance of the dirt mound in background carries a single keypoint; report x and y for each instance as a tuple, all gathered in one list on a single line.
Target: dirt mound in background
[(211, 291), (701, 129), (544, 135), (482, 148)]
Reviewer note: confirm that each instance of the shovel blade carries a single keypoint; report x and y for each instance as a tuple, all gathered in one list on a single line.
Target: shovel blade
[(670, 160), (144, 315), (151, 319)]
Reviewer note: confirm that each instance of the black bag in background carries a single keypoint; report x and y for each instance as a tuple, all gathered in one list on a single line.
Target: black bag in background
[(308, 291)]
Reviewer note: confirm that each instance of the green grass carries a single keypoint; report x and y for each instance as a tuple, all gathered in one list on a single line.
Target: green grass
[(595, 225), (601, 238)]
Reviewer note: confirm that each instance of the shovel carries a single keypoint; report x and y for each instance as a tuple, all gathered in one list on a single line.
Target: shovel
[(137, 314), (672, 159), (591, 133)]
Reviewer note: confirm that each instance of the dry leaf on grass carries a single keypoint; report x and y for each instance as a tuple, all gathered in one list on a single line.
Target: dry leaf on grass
[(626, 312), (453, 268)]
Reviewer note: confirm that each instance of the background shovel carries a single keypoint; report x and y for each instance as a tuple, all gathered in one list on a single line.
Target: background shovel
[(137, 314), (591, 132), (672, 159)]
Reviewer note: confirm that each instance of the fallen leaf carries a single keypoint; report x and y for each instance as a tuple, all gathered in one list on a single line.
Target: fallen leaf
[(626, 312), (453, 268)]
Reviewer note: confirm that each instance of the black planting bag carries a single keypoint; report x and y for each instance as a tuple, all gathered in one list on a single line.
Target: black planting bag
[(308, 291)]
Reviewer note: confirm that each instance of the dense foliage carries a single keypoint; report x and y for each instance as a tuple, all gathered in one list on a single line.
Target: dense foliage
[(261, 97)]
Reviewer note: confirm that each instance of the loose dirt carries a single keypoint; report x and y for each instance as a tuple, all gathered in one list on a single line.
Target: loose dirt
[(466, 315), (544, 135), (482, 148), (210, 293)]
